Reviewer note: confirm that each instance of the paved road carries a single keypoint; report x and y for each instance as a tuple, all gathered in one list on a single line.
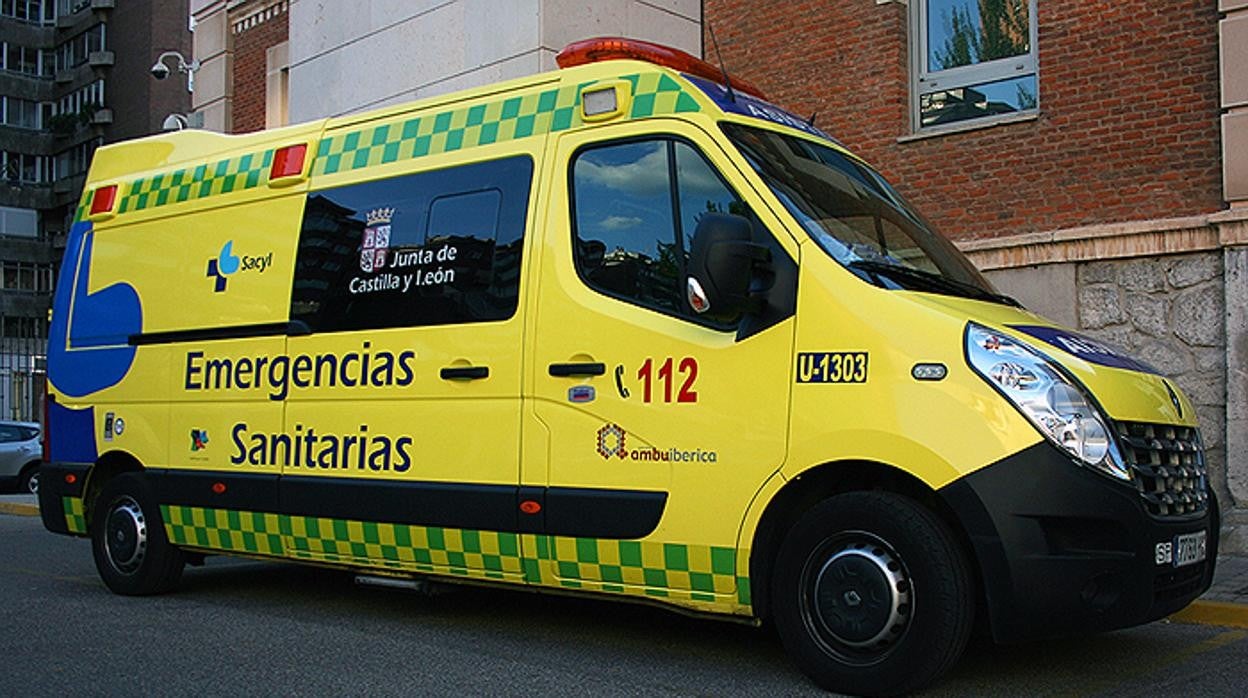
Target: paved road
[(250, 628)]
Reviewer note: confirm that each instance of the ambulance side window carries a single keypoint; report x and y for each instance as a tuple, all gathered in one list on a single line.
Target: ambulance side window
[(635, 206), (430, 248)]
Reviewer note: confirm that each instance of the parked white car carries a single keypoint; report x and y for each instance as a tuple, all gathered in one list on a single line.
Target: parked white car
[(20, 454)]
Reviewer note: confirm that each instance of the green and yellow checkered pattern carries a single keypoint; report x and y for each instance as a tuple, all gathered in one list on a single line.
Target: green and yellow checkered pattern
[(660, 568), (75, 517), (535, 113), (222, 177), (674, 571)]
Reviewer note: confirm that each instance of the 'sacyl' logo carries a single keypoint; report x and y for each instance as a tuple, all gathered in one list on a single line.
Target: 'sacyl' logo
[(227, 263)]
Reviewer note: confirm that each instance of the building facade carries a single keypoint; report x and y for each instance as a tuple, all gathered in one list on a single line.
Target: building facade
[(271, 62), (60, 99)]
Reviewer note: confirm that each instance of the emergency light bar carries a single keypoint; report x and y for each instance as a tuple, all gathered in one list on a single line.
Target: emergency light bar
[(616, 48)]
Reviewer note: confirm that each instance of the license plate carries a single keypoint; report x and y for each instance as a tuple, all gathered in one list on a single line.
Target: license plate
[(1189, 549)]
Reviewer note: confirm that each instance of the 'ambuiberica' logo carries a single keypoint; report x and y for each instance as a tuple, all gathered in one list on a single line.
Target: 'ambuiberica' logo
[(376, 239), (613, 443), (227, 263)]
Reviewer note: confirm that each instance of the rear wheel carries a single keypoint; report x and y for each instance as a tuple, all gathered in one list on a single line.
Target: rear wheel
[(872, 594), (132, 553)]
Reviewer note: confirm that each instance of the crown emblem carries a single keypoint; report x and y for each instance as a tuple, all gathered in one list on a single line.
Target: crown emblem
[(379, 216)]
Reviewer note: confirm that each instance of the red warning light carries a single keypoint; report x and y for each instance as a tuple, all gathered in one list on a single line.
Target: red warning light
[(70, 478), (606, 48), (218, 488)]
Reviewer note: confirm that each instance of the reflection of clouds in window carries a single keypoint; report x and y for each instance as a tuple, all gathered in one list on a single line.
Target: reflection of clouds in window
[(641, 171), (696, 177), (619, 222)]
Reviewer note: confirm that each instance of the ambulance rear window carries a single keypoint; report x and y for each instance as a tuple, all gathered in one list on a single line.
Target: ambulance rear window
[(430, 248)]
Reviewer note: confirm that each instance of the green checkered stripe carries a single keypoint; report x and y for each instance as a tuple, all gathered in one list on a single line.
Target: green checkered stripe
[(536, 113), (674, 571), (708, 573), (75, 517), (84, 205), (199, 182), (487, 554), (221, 529), (433, 549)]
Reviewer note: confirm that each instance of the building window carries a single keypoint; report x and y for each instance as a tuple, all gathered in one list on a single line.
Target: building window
[(78, 50), (20, 167), (972, 59), (21, 113), (19, 222), (23, 10), (22, 59), (72, 162)]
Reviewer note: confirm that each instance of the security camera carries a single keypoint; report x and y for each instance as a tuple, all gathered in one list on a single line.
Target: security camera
[(160, 71)]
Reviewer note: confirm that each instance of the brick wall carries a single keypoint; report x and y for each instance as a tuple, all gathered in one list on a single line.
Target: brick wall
[(250, 46), (1128, 125)]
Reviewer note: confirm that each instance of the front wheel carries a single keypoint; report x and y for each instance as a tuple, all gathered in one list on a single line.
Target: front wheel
[(132, 553), (872, 595)]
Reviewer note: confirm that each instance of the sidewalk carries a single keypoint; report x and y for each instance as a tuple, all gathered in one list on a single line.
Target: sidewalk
[(19, 504), (1226, 602)]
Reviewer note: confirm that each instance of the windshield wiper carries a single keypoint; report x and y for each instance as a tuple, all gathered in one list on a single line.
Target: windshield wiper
[(926, 280)]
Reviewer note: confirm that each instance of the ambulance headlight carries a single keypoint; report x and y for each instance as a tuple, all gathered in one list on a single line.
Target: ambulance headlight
[(1056, 404)]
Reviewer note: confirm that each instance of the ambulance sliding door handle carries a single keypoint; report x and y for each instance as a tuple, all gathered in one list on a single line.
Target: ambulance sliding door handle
[(585, 369), (465, 373)]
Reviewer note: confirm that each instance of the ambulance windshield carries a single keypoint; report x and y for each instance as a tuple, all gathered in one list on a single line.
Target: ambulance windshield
[(858, 218)]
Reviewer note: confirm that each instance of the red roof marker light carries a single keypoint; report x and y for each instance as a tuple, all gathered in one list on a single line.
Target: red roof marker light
[(288, 161), (103, 199), (607, 48)]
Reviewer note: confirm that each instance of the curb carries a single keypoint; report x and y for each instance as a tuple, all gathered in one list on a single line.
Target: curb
[(1234, 615), (18, 509)]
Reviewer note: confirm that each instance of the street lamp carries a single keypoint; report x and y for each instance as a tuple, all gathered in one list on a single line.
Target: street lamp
[(160, 71)]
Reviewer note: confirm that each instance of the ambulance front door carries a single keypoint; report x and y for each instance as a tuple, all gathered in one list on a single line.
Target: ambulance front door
[(659, 426)]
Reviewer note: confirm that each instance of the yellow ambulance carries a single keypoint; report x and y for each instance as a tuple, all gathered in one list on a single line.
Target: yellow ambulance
[(626, 329)]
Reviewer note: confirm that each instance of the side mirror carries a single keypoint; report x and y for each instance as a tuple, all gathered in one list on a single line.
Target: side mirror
[(721, 266)]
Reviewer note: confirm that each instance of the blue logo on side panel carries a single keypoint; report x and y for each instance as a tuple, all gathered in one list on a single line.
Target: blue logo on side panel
[(89, 340), (223, 265), (1091, 350)]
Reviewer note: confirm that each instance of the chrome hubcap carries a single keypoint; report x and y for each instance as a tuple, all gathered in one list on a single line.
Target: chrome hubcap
[(859, 599), (125, 536)]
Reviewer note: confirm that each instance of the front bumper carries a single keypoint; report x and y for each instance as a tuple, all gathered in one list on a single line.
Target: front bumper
[(1062, 550)]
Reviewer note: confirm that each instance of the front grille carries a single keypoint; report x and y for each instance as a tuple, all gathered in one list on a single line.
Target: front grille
[(1169, 465)]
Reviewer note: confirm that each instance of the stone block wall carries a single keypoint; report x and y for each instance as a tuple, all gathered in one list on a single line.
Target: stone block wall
[(1169, 312)]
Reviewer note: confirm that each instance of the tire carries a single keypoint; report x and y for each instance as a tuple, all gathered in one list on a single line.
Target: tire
[(30, 480), (872, 595), (132, 553)]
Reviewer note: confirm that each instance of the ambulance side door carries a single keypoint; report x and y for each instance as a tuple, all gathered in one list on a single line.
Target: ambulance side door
[(661, 425), (404, 397)]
